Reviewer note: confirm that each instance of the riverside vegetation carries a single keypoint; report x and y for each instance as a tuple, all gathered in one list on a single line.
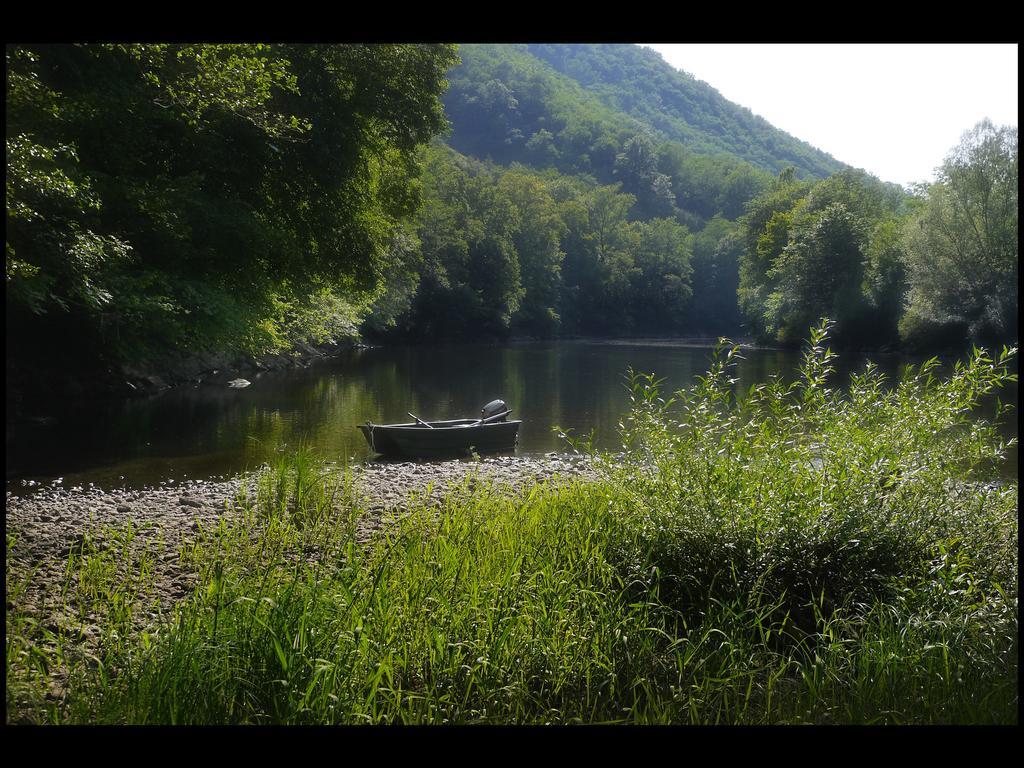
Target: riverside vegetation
[(789, 554)]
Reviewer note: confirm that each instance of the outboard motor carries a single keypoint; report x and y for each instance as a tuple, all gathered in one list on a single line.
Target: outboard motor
[(493, 408)]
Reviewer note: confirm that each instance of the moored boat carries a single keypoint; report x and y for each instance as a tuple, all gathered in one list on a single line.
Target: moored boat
[(491, 433)]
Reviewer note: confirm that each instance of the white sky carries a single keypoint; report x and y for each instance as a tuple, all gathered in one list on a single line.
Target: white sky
[(893, 110)]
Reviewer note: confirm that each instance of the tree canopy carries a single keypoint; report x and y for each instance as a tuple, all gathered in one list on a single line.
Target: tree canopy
[(823, 250), (962, 249), (163, 196)]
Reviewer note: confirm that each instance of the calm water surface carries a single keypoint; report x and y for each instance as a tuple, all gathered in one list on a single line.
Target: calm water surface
[(207, 430)]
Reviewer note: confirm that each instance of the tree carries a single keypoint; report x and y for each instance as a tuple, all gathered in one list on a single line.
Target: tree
[(765, 229), (716, 252), (885, 279), (471, 284), (662, 277), (537, 240), (189, 196), (962, 251), (541, 149), (636, 167), (818, 274), (742, 184), (823, 250), (598, 246)]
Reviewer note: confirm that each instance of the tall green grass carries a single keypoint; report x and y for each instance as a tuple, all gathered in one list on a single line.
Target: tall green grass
[(802, 490), (788, 554)]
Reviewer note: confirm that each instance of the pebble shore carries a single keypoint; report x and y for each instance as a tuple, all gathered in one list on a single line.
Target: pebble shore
[(49, 522)]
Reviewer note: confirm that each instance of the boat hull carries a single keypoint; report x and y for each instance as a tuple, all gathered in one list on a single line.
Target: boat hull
[(447, 439)]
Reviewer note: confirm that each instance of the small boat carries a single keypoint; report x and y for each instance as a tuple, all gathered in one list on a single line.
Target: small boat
[(491, 433)]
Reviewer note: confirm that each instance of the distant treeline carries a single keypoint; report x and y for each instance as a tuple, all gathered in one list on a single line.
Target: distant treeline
[(502, 250), (174, 199), (510, 250)]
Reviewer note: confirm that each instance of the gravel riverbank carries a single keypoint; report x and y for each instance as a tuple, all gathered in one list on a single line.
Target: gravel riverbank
[(49, 520), (45, 525)]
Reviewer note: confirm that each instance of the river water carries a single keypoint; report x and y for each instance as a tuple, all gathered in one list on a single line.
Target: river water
[(205, 431)]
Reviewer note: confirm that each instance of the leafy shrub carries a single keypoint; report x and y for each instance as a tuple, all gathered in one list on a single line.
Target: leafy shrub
[(809, 494)]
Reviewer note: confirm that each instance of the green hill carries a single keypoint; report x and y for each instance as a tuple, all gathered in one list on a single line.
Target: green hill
[(509, 106), (572, 107), (638, 82)]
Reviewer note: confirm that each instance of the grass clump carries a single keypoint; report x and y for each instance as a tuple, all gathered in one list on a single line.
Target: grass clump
[(792, 554)]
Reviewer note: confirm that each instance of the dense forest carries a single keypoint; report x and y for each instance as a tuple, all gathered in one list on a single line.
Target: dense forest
[(168, 200), (638, 82)]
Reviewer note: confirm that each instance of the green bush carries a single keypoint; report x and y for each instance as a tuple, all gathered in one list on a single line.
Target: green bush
[(812, 494)]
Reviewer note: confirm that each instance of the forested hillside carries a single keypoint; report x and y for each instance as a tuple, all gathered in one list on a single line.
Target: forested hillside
[(172, 200), (559, 214), (662, 220), (639, 82), (507, 105), (578, 201)]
